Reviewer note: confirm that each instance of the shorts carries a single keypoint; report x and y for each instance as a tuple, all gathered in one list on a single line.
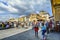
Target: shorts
[(43, 32)]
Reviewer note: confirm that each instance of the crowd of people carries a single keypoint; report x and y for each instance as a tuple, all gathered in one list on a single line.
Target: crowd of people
[(49, 25), (46, 27), (15, 24), (4, 25)]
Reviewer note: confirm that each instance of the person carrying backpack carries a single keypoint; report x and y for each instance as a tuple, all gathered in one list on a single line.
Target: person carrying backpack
[(43, 28)]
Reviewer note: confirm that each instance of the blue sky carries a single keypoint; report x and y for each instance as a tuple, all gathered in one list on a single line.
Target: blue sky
[(16, 8)]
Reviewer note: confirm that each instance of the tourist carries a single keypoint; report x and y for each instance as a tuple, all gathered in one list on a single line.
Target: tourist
[(43, 28), (36, 31), (47, 27)]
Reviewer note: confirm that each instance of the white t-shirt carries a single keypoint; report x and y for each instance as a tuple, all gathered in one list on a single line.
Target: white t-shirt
[(15, 25)]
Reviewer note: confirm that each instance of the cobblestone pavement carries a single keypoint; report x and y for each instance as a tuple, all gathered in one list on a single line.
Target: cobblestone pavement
[(54, 36), (29, 35)]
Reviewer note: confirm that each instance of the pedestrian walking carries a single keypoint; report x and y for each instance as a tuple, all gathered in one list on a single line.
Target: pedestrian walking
[(7, 25), (50, 26), (47, 27), (36, 31), (35, 27), (43, 31), (12, 24), (3, 25), (33, 24), (15, 24)]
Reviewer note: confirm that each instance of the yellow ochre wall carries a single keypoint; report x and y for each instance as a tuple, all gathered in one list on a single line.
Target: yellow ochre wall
[(56, 9)]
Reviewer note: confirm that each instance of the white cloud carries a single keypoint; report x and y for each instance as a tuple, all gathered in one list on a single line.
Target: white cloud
[(11, 9), (22, 15), (8, 8), (30, 4), (24, 6)]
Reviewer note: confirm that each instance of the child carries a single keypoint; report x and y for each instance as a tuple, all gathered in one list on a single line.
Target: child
[(36, 31), (43, 30)]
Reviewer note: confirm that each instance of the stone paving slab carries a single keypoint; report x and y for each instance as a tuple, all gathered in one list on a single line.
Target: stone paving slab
[(29, 35), (12, 31), (54, 36)]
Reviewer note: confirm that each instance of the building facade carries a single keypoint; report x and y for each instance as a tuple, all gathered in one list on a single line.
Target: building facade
[(44, 15), (56, 9), (56, 13)]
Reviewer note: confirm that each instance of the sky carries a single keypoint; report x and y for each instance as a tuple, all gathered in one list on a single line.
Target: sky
[(17, 8)]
